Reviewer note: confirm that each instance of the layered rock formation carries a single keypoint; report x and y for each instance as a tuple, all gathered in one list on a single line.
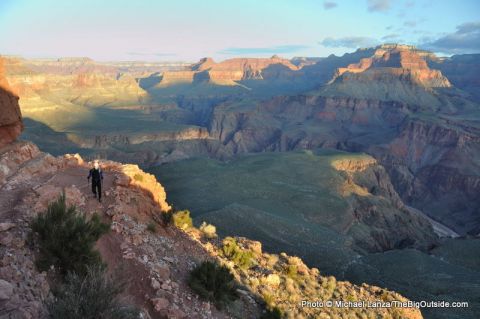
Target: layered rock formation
[(67, 81), (229, 72), (395, 72), (414, 150), (411, 62)]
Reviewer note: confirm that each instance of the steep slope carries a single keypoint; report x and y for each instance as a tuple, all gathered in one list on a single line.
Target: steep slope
[(347, 196), (156, 263), (462, 70)]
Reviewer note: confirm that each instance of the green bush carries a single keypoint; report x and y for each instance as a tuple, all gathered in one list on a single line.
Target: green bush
[(182, 219), (243, 258), (208, 230), (65, 238), (214, 283), (92, 296), (273, 313)]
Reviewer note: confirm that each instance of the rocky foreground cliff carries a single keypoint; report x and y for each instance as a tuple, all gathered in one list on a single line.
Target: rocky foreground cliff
[(155, 260)]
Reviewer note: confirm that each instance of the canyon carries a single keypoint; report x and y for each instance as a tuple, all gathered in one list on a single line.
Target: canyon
[(155, 262), (347, 162)]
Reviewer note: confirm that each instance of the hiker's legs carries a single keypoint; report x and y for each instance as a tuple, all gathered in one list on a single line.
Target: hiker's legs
[(94, 188), (99, 188)]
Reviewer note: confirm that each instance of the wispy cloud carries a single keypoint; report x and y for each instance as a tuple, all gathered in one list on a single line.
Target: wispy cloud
[(349, 42), (392, 36), (329, 5), (379, 5), (466, 39), (410, 23), (280, 49)]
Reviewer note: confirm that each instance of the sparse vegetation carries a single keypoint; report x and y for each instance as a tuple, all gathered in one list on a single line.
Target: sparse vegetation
[(208, 230), (243, 258), (138, 178), (213, 282), (182, 219), (152, 227), (92, 296), (273, 313), (291, 271), (66, 239)]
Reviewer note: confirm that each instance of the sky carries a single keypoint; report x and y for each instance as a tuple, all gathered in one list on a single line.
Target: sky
[(187, 30)]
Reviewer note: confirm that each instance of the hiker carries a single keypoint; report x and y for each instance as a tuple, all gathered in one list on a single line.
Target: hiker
[(97, 178)]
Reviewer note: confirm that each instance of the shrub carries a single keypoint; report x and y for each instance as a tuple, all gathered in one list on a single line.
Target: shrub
[(182, 219), (151, 227), (92, 296), (291, 271), (167, 217), (208, 230), (273, 313), (268, 298), (214, 283), (65, 238), (138, 177), (243, 258)]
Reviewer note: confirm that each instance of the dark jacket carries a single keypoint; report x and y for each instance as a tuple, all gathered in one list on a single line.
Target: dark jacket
[(95, 174)]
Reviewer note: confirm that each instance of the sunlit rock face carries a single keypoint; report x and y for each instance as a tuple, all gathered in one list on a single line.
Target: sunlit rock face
[(231, 71), (10, 117)]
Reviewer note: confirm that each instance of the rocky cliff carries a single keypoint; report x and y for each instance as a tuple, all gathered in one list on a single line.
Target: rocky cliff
[(415, 146), (462, 70), (10, 117)]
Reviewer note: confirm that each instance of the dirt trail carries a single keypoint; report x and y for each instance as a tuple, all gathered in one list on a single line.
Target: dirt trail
[(155, 265)]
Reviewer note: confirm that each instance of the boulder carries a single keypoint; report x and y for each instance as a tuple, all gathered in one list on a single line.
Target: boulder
[(6, 290)]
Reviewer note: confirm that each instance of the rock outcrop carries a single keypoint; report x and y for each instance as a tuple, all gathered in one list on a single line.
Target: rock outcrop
[(10, 117), (391, 73), (400, 61)]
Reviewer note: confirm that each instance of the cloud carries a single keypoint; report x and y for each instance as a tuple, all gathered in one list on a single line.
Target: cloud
[(329, 5), (466, 39), (379, 5), (391, 36), (349, 42), (280, 49), (410, 23)]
